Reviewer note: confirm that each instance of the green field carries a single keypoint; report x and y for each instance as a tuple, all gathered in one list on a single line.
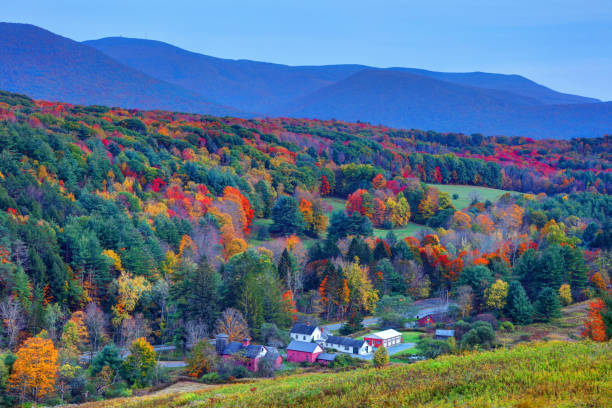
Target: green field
[(336, 204), (401, 233), (409, 230), (551, 374), (464, 200)]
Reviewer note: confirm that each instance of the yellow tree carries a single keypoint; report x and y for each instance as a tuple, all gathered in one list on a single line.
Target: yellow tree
[(565, 294), (428, 205), (362, 295), (35, 370), (129, 291), (461, 220), (496, 295)]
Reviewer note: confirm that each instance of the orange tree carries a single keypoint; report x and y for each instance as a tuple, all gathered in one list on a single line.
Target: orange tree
[(35, 370)]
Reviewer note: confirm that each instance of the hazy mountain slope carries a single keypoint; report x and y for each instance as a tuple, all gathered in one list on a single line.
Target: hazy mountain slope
[(248, 85), (47, 66), (407, 100), (511, 83)]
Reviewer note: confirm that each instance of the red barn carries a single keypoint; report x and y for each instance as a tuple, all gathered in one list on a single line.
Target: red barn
[(385, 338), (300, 351), (426, 321)]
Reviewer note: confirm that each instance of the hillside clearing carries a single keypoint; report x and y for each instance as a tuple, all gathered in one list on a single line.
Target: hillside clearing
[(553, 374), (464, 200)]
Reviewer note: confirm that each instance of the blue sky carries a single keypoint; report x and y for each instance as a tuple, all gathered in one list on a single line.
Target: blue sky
[(566, 45)]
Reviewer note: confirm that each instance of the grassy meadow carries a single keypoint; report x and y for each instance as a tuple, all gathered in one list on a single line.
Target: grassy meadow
[(551, 374), (464, 200)]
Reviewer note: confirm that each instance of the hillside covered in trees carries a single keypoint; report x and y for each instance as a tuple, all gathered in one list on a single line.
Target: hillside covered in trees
[(132, 227)]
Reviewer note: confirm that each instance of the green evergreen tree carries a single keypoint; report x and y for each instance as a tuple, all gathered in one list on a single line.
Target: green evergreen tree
[(548, 305), (287, 217), (518, 306)]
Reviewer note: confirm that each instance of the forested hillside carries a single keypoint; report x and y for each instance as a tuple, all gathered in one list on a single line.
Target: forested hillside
[(118, 225)]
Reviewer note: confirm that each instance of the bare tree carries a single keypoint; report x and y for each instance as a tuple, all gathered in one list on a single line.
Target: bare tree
[(464, 300), (12, 316), (53, 316), (133, 328), (95, 321), (195, 331), (233, 324)]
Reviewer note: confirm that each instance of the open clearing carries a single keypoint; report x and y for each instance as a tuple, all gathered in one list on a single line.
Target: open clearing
[(464, 200)]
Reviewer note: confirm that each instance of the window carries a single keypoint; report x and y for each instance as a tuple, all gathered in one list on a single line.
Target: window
[(304, 337)]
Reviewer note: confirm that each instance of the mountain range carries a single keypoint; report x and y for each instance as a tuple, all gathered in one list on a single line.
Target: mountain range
[(150, 74)]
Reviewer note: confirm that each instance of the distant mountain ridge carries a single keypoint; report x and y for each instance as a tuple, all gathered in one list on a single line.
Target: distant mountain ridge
[(148, 74), (47, 66), (272, 85)]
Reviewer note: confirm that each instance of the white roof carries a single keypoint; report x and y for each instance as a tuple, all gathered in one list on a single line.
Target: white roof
[(385, 334)]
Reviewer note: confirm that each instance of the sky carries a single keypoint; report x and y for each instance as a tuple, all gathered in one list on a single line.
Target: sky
[(565, 45)]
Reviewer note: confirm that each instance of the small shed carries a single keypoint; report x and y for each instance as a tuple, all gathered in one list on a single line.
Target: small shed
[(326, 358), (300, 351), (386, 338), (444, 334)]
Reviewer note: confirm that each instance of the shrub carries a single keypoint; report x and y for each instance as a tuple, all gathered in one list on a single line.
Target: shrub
[(506, 326), (487, 317), (202, 359), (481, 334), (381, 357), (432, 348), (211, 378)]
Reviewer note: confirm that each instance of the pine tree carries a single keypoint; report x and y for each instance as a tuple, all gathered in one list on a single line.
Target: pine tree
[(518, 307), (285, 266), (548, 306), (287, 217)]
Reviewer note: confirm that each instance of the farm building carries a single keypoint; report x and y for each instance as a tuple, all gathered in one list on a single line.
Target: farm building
[(306, 332), (385, 338), (326, 358), (300, 351), (347, 345), (246, 354), (426, 321), (444, 334)]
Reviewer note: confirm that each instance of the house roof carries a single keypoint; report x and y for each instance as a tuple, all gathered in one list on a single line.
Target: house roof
[(384, 335), (345, 341), (303, 346), (445, 333), (272, 353), (232, 348), (301, 328), (250, 351), (326, 357)]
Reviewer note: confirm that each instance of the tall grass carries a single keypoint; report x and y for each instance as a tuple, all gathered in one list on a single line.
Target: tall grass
[(553, 374)]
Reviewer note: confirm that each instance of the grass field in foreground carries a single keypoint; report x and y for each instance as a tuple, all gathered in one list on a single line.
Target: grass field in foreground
[(485, 193), (553, 374)]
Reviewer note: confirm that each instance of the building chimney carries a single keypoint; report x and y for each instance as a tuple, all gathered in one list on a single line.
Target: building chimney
[(221, 343), (246, 341)]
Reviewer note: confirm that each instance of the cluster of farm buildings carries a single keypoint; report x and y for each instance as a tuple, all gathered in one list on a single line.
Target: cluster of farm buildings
[(309, 344)]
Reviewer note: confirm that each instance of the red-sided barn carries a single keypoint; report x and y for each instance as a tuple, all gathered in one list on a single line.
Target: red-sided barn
[(300, 351)]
